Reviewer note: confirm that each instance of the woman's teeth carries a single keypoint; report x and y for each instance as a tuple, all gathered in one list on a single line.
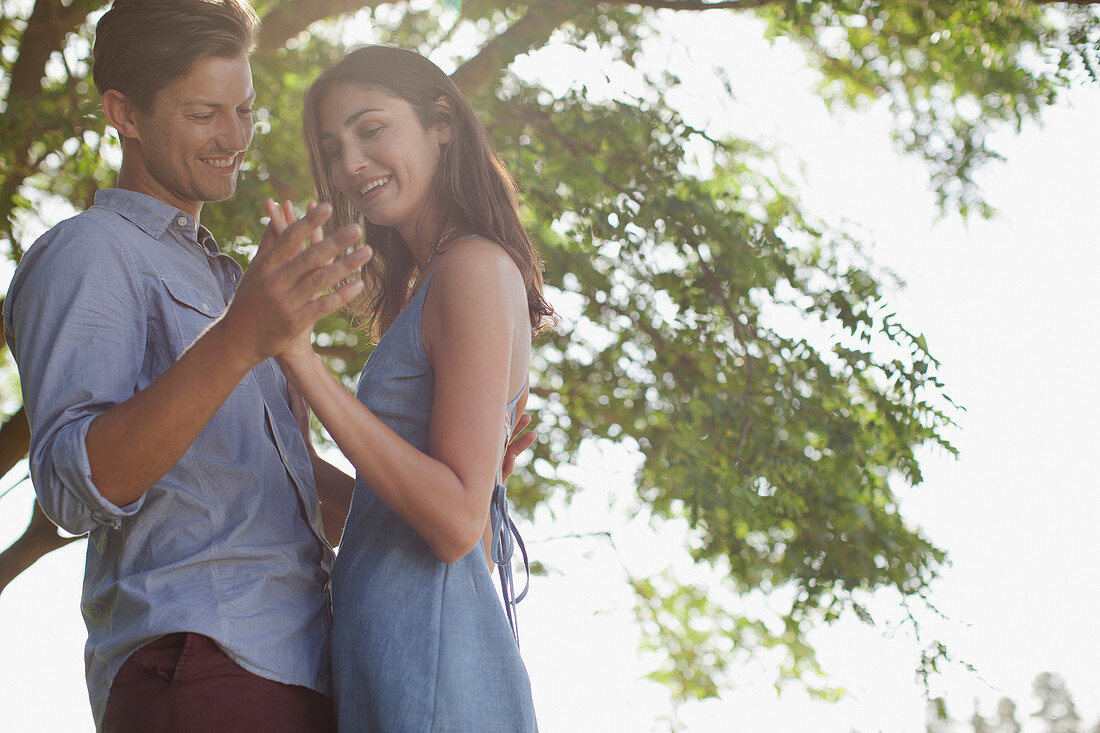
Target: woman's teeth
[(373, 185)]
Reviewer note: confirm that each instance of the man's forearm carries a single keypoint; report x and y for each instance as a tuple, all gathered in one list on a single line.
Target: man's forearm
[(133, 444)]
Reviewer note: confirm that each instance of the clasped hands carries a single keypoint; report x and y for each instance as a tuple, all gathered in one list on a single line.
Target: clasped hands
[(290, 279), (283, 293)]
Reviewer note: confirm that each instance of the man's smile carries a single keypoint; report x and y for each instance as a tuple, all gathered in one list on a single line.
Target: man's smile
[(223, 163)]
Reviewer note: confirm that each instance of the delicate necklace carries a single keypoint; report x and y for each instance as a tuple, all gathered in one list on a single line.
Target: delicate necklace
[(431, 255)]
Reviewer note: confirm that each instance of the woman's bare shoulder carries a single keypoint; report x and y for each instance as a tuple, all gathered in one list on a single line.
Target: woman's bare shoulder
[(475, 284), (477, 262), (478, 251)]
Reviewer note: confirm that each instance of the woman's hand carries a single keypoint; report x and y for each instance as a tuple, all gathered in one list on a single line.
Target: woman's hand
[(519, 442), (281, 217)]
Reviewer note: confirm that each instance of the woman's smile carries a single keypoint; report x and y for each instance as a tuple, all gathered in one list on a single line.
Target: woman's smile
[(380, 155), (374, 185)]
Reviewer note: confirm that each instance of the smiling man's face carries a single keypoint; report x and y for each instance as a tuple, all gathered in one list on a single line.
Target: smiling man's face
[(194, 137)]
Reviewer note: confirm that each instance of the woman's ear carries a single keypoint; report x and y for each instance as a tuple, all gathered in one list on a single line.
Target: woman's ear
[(444, 115)]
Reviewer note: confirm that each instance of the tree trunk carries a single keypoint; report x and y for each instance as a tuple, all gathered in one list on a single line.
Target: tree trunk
[(47, 28)]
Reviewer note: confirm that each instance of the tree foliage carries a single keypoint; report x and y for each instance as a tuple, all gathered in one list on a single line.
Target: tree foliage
[(742, 345)]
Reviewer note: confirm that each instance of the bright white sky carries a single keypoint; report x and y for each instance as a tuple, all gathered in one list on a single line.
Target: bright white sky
[(1006, 305)]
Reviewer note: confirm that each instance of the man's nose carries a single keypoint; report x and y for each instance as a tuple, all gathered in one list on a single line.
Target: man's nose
[(236, 134)]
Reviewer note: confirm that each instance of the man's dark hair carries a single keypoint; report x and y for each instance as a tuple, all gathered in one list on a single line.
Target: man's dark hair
[(142, 46)]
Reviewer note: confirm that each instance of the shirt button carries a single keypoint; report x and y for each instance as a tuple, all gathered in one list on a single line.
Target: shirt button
[(182, 221)]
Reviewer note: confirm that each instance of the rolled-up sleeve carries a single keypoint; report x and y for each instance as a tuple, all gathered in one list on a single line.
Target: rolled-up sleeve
[(77, 316)]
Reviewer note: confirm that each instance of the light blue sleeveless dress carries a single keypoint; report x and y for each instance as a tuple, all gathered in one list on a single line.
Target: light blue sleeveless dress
[(418, 644)]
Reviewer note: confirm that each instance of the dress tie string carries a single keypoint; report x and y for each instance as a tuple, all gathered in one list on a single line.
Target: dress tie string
[(505, 538)]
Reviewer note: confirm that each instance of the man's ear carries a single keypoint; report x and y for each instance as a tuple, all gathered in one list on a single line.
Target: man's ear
[(120, 112), (444, 127)]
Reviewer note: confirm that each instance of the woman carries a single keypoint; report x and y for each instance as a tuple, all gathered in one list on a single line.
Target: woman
[(419, 636)]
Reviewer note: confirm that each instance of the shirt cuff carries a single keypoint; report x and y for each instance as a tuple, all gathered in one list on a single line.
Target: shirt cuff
[(74, 473)]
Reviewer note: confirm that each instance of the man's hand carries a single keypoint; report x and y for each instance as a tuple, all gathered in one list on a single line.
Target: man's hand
[(279, 218), (134, 443), (280, 294), (520, 442)]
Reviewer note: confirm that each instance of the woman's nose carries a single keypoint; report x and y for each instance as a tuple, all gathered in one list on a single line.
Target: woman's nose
[(353, 161)]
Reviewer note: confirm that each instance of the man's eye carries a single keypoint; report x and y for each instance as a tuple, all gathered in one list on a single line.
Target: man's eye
[(203, 118), (244, 111)]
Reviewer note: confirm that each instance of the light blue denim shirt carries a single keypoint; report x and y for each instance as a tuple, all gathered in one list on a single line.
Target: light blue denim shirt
[(229, 542)]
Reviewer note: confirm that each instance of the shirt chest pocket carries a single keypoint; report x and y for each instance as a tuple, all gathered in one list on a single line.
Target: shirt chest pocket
[(193, 310)]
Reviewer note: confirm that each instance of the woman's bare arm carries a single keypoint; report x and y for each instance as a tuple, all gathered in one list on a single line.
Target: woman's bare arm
[(478, 340)]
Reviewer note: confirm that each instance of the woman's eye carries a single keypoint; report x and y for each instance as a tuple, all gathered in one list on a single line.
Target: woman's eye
[(370, 132), (332, 153)]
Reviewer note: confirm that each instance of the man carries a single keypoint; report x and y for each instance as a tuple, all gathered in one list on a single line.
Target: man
[(159, 423)]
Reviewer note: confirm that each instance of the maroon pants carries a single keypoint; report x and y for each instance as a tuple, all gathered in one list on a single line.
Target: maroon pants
[(183, 683)]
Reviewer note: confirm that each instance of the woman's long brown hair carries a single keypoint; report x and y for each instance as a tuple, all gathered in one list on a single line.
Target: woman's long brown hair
[(472, 189)]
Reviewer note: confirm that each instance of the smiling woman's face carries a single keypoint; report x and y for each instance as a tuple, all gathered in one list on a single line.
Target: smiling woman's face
[(380, 156)]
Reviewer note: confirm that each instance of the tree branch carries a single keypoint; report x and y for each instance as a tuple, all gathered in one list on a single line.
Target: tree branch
[(585, 158), (48, 25), (41, 535), (526, 34), (287, 20), (15, 440), (751, 4), (40, 538), (695, 4)]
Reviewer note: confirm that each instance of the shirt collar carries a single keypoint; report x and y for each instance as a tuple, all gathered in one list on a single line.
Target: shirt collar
[(149, 214)]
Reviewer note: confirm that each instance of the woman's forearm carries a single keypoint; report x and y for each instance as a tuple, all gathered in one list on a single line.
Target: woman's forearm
[(447, 512), (334, 488)]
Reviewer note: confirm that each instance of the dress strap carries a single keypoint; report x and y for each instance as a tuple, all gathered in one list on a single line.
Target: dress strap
[(431, 256), (505, 537)]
